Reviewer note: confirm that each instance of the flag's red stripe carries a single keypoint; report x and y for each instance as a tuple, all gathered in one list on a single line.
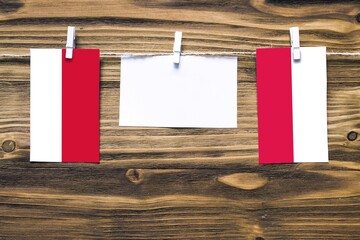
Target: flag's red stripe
[(80, 106), (274, 95)]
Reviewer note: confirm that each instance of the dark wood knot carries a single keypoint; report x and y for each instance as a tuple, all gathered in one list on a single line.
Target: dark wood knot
[(135, 176), (8, 146), (10, 6), (352, 136), (358, 18), (259, 238)]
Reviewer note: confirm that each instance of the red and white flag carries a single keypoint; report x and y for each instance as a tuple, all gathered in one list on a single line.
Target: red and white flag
[(292, 109), (64, 105)]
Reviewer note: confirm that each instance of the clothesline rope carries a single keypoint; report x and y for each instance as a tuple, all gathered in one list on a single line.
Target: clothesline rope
[(119, 54)]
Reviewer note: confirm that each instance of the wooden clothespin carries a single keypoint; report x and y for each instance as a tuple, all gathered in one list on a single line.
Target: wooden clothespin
[(177, 47), (295, 43), (70, 42)]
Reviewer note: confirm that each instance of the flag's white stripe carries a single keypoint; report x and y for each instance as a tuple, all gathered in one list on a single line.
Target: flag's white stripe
[(309, 87), (45, 105)]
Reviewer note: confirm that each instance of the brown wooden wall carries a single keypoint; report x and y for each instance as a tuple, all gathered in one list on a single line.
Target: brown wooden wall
[(180, 183)]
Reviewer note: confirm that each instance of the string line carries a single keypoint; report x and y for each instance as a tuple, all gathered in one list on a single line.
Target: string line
[(129, 54)]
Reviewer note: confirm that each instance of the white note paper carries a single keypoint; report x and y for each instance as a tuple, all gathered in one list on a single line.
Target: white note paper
[(200, 92)]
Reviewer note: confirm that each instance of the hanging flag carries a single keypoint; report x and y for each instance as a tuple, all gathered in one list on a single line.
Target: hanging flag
[(64, 105), (292, 108)]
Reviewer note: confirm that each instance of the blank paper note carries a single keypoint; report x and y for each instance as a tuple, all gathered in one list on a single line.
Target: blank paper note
[(200, 92)]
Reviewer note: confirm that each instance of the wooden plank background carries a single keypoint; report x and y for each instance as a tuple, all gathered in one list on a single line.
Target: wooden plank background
[(180, 183)]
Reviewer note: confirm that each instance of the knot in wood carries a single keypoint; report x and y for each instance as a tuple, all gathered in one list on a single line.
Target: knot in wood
[(8, 146), (259, 238), (10, 6), (352, 136), (245, 181), (358, 18), (135, 176)]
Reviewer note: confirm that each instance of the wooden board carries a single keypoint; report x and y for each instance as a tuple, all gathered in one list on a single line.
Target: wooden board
[(180, 183)]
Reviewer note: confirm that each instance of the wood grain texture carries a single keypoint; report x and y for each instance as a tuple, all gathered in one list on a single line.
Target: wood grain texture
[(168, 183)]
